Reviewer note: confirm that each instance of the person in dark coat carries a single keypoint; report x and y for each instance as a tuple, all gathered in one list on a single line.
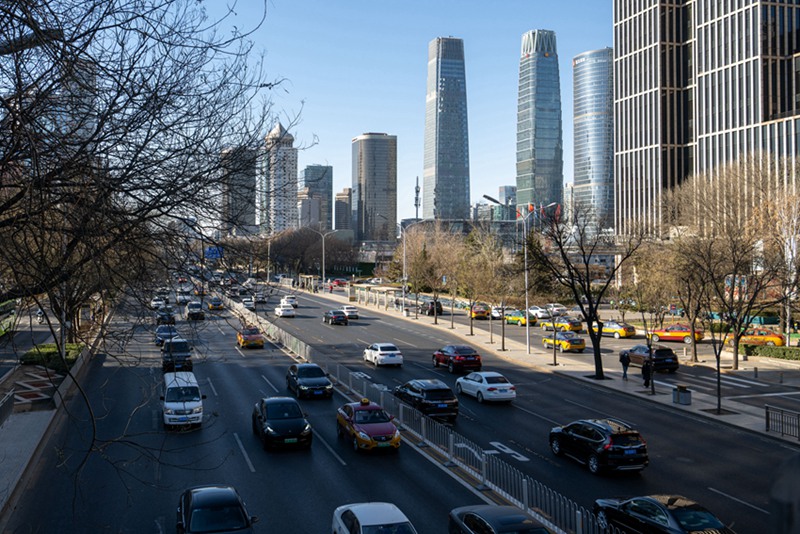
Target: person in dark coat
[(646, 372), (625, 360)]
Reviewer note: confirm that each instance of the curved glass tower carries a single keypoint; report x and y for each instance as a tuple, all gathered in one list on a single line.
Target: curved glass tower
[(540, 158), (445, 174), (593, 93)]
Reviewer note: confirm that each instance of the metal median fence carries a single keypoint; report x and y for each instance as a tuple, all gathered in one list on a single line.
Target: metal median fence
[(784, 422)]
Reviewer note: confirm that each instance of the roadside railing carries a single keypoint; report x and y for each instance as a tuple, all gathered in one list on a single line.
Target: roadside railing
[(6, 406), (486, 469), (784, 422)]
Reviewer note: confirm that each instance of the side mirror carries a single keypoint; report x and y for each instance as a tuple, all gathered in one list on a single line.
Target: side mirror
[(254, 519), (204, 396)]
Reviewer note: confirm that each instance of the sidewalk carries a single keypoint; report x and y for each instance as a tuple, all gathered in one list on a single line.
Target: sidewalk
[(581, 367)]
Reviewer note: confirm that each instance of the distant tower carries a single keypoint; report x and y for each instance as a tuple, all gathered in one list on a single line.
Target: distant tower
[(343, 209), (318, 180), (374, 208), (540, 165), (238, 191), (445, 174), (278, 188)]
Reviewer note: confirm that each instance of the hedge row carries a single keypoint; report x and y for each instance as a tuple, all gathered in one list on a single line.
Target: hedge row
[(47, 355), (784, 353)]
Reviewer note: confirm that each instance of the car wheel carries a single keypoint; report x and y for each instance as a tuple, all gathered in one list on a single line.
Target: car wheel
[(480, 397), (255, 428), (602, 519), (451, 368), (435, 362), (555, 446), (355, 444), (594, 464), (655, 338), (616, 335), (458, 388), (580, 351), (264, 443), (687, 340), (770, 343)]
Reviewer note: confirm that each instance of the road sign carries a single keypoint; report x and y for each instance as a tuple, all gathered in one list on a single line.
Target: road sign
[(213, 253)]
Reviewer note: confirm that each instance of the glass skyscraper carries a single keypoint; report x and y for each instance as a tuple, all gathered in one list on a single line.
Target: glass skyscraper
[(593, 93), (374, 195), (540, 158), (445, 174), (319, 181)]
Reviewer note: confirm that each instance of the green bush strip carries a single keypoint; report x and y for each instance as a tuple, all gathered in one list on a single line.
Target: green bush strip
[(48, 356)]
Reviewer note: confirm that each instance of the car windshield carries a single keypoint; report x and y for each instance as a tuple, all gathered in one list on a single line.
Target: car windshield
[(310, 372), (287, 410), (627, 440), (696, 520), (166, 330), (250, 332), (179, 346), (569, 335), (496, 380), (217, 519), (371, 416), (394, 528), (464, 350), (388, 348), (183, 394), (663, 353)]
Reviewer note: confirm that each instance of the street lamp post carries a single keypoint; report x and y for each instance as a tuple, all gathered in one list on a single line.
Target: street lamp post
[(323, 235)]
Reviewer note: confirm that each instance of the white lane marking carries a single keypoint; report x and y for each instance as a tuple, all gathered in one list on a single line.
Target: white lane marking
[(508, 450), (240, 352), (543, 418), (327, 446), (210, 383), (159, 520), (756, 395), (270, 383), (735, 381), (244, 453), (731, 497), (406, 343)]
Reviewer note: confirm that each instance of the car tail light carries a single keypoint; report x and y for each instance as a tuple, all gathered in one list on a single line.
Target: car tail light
[(491, 389), (608, 444), (513, 388)]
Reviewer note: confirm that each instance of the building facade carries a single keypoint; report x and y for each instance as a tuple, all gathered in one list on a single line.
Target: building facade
[(540, 151), (238, 213), (698, 84), (374, 194), (318, 182), (445, 175), (343, 208), (277, 190), (593, 119)]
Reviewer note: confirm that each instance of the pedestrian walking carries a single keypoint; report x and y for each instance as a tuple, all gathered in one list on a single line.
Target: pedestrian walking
[(625, 360), (646, 372)]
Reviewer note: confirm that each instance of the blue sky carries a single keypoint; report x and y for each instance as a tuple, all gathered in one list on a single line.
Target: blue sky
[(356, 66)]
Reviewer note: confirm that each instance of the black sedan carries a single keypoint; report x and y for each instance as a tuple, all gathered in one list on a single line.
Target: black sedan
[(279, 421), (308, 380), (213, 509), (335, 317), (667, 514), (490, 519), (664, 358), (165, 331)]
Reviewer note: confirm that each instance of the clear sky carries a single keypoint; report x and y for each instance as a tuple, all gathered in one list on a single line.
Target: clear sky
[(356, 66)]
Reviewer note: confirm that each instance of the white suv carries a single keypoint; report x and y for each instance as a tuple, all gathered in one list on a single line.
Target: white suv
[(350, 311)]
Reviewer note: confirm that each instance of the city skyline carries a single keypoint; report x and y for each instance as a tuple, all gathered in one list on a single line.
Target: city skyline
[(361, 67)]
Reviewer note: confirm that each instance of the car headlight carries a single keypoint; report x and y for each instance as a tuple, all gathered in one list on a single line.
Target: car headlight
[(169, 411), (199, 409), (306, 429), (396, 433), (303, 387), (329, 386), (364, 436), (269, 430)]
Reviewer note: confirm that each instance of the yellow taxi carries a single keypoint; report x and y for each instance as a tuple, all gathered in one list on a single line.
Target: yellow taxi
[(479, 311), (215, 303), (565, 342), (519, 317), (562, 324), (250, 336), (367, 426), (616, 329), (759, 336)]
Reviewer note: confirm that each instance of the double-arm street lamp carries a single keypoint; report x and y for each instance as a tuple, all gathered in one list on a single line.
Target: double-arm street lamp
[(323, 235)]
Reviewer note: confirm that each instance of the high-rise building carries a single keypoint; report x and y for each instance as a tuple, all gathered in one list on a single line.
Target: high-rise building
[(318, 180), (308, 208), (343, 209), (699, 84), (507, 194), (238, 214), (540, 158), (374, 196), (445, 174), (277, 190), (593, 93)]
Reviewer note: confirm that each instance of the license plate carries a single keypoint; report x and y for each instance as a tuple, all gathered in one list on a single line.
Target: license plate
[(668, 360), (630, 451), (317, 393), (383, 444), (503, 390), (182, 419), (441, 406), (290, 440)]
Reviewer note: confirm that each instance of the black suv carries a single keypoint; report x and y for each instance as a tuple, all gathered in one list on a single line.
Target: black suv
[(430, 396), (601, 444), (664, 358), (176, 355), (335, 317), (308, 380), (427, 307)]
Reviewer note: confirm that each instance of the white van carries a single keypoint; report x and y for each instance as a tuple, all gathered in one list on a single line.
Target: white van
[(182, 403)]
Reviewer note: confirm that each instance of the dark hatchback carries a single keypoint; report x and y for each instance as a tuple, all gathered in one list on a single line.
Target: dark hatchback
[(280, 422), (492, 519), (308, 380), (664, 358), (601, 444), (335, 317), (216, 509), (430, 307), (667, 514), (430, 396)]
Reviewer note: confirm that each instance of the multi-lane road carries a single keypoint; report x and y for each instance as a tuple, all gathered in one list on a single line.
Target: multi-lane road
[(111, 467)]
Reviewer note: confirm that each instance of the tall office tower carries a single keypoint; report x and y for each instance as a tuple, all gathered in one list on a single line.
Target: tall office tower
[(318, 179), (277, 191), (593, 93), (342, 209), (699, 84), (507, 194), (540, 158), (238, 184), (445, 174), (308, 208), (374, 209)]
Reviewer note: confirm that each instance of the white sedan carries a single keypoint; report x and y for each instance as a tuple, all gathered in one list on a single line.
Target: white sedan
[(350, 311), (486, 386), (290, 300), (285, 310), (370, 517), (539, 312), (383, 354), (157, 302)]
